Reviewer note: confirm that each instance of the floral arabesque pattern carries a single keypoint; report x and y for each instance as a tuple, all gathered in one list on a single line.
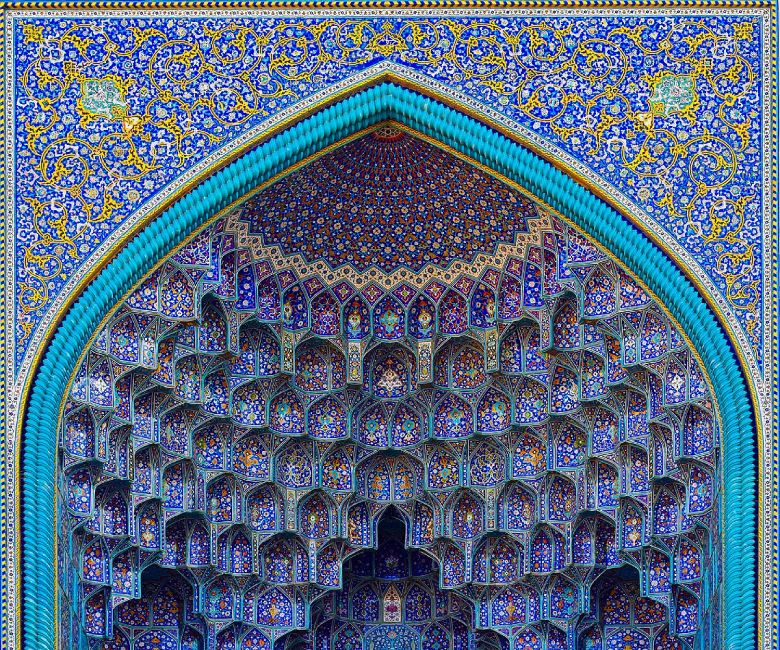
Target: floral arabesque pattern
[(110, 110)]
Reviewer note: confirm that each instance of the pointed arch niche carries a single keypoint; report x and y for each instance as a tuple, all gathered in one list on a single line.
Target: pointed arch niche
[(650, 477)]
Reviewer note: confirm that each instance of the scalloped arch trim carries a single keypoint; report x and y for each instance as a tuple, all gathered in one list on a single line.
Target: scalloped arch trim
[(383, 102)]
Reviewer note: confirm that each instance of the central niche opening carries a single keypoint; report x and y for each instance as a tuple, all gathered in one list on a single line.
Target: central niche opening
[(391, 599)]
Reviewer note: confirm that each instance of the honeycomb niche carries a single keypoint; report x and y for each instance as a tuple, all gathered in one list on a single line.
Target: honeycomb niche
[(389, 404)]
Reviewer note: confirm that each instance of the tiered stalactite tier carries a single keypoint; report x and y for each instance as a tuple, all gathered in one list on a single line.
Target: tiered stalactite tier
[(237, 431)]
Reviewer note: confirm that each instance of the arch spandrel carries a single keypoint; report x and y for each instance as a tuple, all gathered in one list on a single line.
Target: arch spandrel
[(455, 402)]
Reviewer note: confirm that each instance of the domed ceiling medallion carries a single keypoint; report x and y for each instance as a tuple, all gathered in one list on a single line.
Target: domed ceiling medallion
[(388, 207)]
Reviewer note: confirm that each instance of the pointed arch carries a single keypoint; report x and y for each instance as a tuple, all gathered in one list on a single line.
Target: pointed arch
[(489, 148)]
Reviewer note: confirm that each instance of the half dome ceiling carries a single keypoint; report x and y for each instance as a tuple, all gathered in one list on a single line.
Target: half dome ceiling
[(391, 204), (246, 418)]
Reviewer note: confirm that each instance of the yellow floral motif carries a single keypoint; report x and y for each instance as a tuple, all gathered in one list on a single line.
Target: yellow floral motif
[(674, 94), (387, 42)]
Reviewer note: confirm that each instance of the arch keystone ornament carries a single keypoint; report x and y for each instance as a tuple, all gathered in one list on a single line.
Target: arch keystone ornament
[(390, 380)]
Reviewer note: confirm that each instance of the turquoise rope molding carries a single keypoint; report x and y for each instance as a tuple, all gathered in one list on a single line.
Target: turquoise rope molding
[(379, 103)]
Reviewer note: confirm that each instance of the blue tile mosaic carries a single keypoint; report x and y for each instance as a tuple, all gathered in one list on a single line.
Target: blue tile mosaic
[(521, 510), (665, 109), (663, 112)]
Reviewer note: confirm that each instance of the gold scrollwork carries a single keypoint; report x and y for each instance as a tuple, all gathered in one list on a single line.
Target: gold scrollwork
[(233, 71)]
